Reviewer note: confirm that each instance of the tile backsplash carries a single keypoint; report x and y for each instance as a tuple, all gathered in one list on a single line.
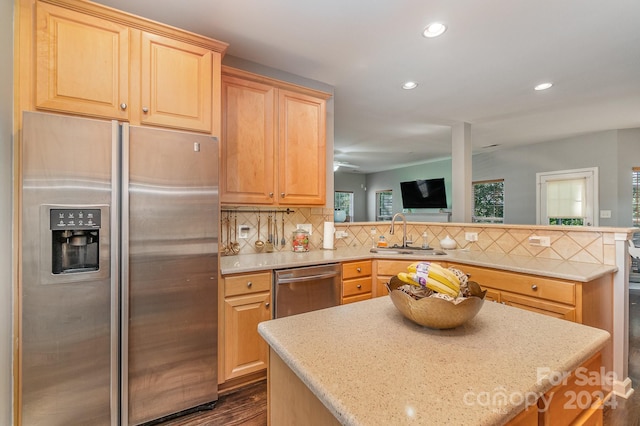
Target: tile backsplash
[(575, 244), (292, 217)]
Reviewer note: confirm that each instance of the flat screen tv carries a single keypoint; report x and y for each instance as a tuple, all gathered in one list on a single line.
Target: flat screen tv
[(424, 194)]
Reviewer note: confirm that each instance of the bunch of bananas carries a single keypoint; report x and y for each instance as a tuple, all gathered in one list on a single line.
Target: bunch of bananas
[(433, 276)]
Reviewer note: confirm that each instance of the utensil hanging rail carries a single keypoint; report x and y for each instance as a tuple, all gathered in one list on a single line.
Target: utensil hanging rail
[(257, 210)]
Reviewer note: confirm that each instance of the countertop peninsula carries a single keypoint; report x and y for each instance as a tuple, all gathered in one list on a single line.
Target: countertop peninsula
[(368, 365), (563, 269)]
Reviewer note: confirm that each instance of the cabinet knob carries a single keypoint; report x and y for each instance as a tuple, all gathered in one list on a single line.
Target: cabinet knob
[(282, 195), (359, 269), (123, 106), (249, 284), (266, 305), (534, 287), (271, 195), (145, 110), (359, 286)]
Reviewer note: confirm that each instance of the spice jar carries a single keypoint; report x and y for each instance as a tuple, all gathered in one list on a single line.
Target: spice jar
[(300, 242)]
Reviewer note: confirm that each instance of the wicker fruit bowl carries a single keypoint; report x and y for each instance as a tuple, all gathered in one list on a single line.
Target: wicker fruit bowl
[(434, 312)]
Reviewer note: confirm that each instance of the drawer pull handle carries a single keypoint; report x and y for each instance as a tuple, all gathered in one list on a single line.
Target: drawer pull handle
[(358, 269), (534, 287), (359, 286), (249, 284)]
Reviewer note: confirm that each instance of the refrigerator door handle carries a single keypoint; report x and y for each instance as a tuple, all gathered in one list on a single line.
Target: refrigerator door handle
[(115, 274), (123, 191)]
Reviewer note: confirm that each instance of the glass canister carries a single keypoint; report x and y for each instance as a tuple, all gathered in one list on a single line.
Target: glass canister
[(300, 242)]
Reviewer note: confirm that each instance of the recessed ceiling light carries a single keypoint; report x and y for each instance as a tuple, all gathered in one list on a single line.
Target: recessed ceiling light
[(543, 86), (434, 30), (409, 85)]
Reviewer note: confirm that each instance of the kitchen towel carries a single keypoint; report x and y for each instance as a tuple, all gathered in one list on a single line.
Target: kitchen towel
[(327, 240)]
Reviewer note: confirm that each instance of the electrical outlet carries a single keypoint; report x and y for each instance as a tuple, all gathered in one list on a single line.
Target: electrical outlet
[(341, 234), (471, 236), (536, 240), (243, 231)]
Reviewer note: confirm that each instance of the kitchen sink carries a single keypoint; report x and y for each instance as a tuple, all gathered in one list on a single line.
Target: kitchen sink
[(408, 250)]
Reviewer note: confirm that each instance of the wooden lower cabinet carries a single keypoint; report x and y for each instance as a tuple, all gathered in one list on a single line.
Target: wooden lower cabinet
[(247, 302), (383, 271), (356, 281), (577, 400), (589, 303)]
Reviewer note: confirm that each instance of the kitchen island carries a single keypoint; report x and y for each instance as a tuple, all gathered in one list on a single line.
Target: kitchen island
[(365, 364)]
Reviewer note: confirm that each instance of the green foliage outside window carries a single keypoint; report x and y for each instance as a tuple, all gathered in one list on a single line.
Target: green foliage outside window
[(343, 200), (488, 201)]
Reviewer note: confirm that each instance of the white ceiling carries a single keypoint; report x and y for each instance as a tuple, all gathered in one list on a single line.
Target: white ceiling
[(481, 71)]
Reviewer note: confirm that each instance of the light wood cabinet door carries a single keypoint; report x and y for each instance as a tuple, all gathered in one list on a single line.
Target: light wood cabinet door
[(176, 83), (247, 172), (273, 142), (245, 350), (301, 149), (82, 63)]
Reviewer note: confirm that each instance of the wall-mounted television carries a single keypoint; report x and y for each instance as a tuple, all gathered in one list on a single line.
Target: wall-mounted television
[(424, 194)]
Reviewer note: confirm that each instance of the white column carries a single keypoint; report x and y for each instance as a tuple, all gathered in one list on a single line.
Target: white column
[(461, 150), (622, 383)]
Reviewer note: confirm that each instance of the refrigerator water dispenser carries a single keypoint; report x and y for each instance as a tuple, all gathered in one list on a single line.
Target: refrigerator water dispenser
[(75, 240)]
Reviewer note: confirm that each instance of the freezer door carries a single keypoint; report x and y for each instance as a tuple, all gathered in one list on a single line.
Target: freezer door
[(68, 339), (171, 235)]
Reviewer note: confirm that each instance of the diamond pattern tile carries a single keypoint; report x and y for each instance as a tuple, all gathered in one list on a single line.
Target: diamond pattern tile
[(590, 247)]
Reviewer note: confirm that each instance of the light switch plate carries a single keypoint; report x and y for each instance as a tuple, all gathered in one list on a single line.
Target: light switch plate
[(243, 231), (605, 214)]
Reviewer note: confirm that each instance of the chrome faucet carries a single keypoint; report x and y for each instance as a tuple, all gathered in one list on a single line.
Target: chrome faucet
[(404, 228)]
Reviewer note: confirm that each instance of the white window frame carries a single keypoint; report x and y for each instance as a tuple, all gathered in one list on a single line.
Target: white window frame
[(592, 204)]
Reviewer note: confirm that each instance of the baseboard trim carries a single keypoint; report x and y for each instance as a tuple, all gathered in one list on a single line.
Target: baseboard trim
[(623, 388)]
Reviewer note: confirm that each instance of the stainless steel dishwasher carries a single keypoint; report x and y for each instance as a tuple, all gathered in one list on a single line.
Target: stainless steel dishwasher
[(305, 289)]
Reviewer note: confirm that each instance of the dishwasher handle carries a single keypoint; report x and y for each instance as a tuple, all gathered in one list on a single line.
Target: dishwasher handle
[(307, 278)]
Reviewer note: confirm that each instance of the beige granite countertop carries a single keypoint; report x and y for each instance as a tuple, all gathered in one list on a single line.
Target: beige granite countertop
[(576, 271), (370, 366)]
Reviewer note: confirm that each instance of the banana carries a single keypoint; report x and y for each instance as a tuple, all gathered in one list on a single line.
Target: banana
[(406, 278), (423, 279), (436, 272)]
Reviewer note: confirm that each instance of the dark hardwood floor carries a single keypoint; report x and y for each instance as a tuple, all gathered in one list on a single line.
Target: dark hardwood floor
[(248, 406)]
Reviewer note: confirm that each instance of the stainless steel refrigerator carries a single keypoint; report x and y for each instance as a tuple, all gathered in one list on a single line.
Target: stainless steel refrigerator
[(119, 271)]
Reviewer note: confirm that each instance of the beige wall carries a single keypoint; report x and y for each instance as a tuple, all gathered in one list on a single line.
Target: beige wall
[(6, 183)]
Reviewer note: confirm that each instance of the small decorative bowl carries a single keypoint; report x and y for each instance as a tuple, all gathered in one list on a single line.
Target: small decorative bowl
[(434, 312)]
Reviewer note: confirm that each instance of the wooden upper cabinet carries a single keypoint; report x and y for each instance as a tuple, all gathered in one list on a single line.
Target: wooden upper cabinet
[(96, 61), (301, 149), (248, 142), (176, 88), (273, 141), (82, 63)]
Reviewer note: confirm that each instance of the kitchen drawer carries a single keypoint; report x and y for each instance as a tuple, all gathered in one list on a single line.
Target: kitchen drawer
[(533, 304), (356, 298), (528, 285), (356, 286), (392, 267), (356, 269), (247, 283)]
